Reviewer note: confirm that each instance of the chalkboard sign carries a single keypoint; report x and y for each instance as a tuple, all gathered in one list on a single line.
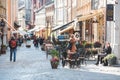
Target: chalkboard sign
[(109, 12)]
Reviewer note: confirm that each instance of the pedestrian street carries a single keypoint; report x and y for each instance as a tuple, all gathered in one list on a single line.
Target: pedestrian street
[(31, 64)]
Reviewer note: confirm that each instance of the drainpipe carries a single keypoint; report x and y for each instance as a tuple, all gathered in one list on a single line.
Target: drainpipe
[(105, 23)]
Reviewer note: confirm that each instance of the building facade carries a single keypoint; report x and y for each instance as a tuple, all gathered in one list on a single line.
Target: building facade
[(114, 32), (49, 13), (21, 17), (40, 23), (8, 11), (90, 18)]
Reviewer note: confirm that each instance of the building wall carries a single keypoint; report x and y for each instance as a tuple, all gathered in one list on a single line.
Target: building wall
[(28, 8), (9, 16), (14, 15), (40, 22), (49, 13), (40, 18), (116, 28), (58, 12), (21, 18), (74, 8), (2, 15), (83, 7)]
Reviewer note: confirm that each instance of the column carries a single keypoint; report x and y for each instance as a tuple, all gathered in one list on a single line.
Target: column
[(83, 31), (95, 29)]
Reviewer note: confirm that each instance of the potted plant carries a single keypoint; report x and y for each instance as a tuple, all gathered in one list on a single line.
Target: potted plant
[(55, 59), (84, 43), (110, 59), (3, 49), (97, 44), (88, 45)]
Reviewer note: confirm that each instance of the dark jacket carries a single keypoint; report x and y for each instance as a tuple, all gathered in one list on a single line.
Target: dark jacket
[(108, 50)]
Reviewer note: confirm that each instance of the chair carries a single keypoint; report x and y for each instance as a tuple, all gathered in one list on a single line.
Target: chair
[(81, 57)]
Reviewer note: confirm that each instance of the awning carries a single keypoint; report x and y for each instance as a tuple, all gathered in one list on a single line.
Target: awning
[(89, 16), (54, 29), (9, 25), (40, 29), (36, 28), (19, 31), (67, 29)]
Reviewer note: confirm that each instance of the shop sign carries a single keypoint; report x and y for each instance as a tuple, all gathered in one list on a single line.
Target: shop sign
[(63, 37), (109, 12)]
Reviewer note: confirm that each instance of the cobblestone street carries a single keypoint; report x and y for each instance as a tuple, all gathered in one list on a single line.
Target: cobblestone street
[(31, 64)]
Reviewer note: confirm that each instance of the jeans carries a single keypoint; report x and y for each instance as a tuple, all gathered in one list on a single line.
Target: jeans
[(13, 51), (100, 57)]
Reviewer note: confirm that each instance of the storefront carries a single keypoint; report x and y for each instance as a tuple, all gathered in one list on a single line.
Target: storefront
[(64, 29), (92, 26)]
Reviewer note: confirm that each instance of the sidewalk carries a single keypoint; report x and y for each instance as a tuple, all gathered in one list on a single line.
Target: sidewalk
[(100, 68)]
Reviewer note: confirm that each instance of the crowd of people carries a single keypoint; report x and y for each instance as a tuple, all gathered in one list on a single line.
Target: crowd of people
[(72, 48), (15, 42), (75, 44)]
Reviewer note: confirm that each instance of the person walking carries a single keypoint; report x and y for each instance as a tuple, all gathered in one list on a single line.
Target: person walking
[(35, 42), (13, 48)]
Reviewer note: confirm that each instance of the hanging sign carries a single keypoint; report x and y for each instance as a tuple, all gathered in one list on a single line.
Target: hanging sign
[(109, 12)]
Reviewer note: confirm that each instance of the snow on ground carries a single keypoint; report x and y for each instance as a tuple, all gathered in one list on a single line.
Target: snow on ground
[(32, 64)]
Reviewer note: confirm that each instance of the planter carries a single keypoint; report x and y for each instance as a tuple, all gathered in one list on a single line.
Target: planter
[(105, 63), (55, 59), (110, 59), (3, 49), (97, 45), (54, 65), (88, 45)]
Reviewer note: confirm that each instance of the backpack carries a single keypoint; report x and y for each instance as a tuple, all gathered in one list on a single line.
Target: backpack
[(13, 43)]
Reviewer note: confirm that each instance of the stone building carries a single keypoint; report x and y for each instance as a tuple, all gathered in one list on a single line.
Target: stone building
[(8, 12)]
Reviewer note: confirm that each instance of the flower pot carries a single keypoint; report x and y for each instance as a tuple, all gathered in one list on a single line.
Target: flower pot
[(112, 61), (3, 50), (105, 63), (54, 65)]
